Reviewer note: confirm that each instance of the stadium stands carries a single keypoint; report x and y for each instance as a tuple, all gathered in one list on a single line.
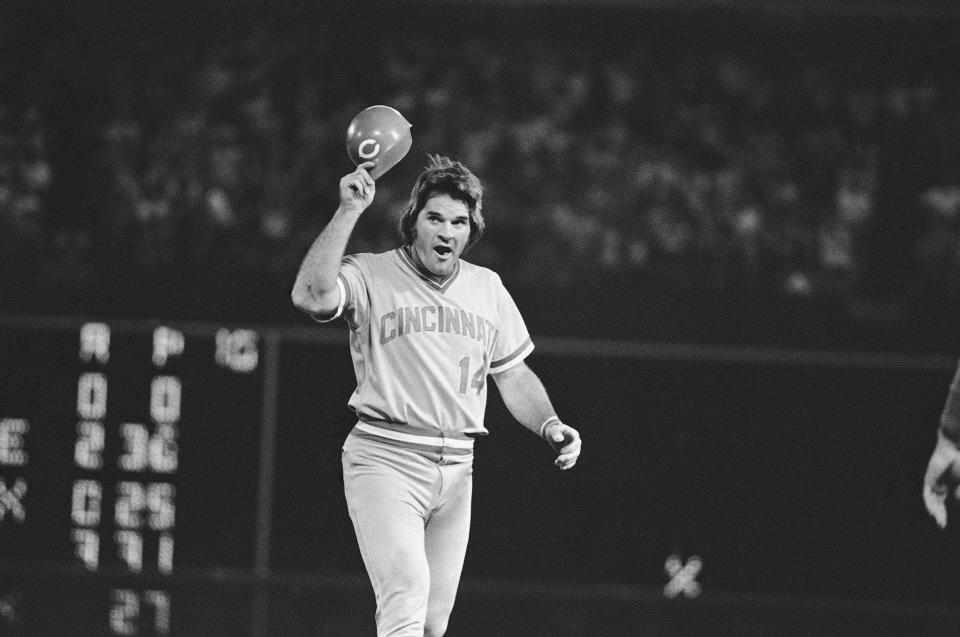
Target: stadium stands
[(710, 175)]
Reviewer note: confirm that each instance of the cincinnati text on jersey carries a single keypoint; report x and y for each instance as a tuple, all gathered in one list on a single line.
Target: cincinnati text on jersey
[(406, 320)]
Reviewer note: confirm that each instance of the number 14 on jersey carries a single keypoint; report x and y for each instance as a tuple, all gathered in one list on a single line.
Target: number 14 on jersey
[(476, 380)]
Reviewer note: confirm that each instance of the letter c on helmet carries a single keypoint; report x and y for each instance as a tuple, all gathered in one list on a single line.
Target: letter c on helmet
[(362, 149)]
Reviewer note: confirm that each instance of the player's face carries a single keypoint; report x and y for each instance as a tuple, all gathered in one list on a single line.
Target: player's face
[(442, 231)]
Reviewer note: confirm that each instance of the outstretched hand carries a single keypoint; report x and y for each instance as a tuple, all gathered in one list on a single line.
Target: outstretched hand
[(942, 479), (565, 441), (358, 188)]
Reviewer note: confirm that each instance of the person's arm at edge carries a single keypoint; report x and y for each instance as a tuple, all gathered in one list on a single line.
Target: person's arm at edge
[(526, 398), (942, 478), (950, 418), (315, 290)]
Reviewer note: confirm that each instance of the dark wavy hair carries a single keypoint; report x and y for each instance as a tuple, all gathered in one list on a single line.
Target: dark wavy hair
[(444, 176)]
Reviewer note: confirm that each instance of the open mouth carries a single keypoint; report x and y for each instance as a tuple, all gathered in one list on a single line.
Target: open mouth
[(443, 251)]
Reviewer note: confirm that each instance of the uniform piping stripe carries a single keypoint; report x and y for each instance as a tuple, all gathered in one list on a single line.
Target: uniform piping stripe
[(344, 293), (428, 449), (404, 428), (430, 441), (506, 361), (343, 303)]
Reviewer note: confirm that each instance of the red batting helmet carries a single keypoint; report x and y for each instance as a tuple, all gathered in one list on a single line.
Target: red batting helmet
[(379, 134)]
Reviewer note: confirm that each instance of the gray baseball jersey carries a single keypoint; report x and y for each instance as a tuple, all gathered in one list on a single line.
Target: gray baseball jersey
[(422, 349)]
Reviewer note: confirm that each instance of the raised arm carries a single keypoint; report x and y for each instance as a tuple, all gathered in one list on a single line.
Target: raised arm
[(526, 398), (315, 290)]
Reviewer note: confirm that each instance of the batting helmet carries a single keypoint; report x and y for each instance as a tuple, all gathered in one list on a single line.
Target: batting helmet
[(379, 134)]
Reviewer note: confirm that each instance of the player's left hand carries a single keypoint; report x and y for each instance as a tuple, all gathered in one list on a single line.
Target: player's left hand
[(942, 480), (565, 441)]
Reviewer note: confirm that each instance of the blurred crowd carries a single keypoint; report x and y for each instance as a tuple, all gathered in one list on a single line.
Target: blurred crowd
[(700, 176)]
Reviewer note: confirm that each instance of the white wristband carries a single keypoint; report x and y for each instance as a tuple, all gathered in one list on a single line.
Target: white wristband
[(549, 421)]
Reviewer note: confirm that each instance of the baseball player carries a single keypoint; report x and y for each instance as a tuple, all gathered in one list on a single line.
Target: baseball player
[(426, 329), (942, 479)]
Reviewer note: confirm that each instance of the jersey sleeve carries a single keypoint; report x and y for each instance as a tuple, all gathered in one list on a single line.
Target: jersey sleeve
[(513, 343), (354, 302)]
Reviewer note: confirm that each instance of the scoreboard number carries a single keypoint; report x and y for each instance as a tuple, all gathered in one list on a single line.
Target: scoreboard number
[(237, 350), (88, 450), (87, 499), (92, 396), (143, 451), (130, 609), (13, 432)]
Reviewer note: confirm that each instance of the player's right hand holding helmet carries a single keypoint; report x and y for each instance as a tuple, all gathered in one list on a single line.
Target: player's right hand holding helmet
[(357, 189), (942, 479)]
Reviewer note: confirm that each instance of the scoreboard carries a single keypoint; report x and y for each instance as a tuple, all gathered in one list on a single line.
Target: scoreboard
[(126, 450)]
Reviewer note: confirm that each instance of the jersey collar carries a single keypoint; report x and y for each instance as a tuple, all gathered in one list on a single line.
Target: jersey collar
[(437, 283)]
